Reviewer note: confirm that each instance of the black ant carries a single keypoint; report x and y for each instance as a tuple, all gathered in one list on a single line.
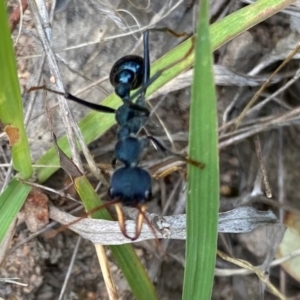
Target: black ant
[(130, 184)]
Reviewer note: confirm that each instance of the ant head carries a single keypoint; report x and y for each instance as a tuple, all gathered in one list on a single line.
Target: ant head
[(127, 74), (132, 185)]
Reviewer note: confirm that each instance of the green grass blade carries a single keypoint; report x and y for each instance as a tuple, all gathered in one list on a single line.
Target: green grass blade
[(90, 198), (95, 124), (135, 273), (11, 201), (11, 110), (203, 185), (124, 255)]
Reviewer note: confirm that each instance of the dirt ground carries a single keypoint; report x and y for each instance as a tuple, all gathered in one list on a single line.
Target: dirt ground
[(43, 263)]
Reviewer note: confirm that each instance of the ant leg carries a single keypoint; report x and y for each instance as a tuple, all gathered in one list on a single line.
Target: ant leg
[(169, 30), (146, 59), (146, 66), (53, 233), (159, 72), (68, 96), (142, 217), (169, 171), (138, 224), (121, 221), (139, 221), (166, 151), (146, 69)]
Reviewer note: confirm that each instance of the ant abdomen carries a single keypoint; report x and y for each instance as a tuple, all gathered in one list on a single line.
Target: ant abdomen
[(127, 74)]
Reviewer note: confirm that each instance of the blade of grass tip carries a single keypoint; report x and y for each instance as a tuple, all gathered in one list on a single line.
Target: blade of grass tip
[(11, 201), (203, 185), (11, 110)]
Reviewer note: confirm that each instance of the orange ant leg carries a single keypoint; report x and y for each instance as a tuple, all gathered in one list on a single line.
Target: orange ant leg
[(169, 171), (138, 224), (121, 221)]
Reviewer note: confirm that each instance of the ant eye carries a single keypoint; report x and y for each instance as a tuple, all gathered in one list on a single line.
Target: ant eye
[(148, 195)]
